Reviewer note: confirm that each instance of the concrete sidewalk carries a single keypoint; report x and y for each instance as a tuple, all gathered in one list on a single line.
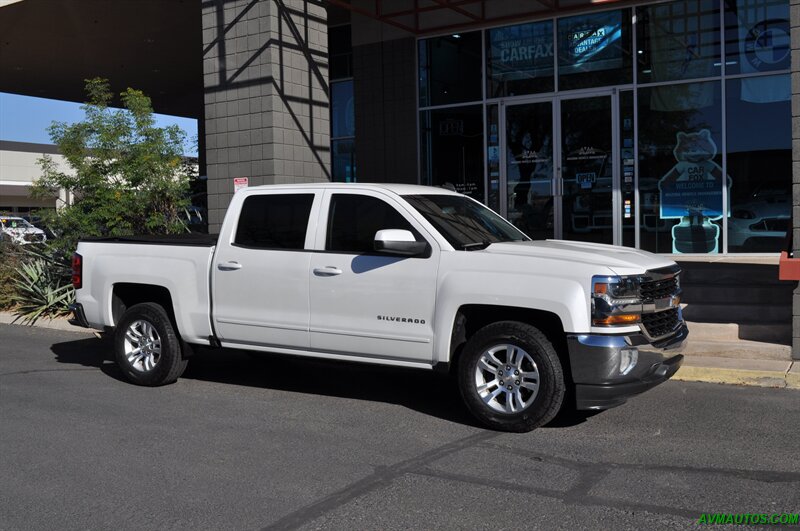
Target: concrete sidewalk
[(703, 362)]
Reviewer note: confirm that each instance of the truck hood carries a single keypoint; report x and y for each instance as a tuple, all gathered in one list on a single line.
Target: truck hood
[(621, 260)]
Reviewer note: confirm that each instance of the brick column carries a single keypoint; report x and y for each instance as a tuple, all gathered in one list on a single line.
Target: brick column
[(265, 79), (795, 31)]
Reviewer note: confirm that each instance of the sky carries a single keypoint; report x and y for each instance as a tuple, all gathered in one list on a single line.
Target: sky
[(26, 119)]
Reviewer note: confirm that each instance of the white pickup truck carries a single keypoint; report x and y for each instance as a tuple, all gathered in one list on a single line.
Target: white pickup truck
[(399, 275)]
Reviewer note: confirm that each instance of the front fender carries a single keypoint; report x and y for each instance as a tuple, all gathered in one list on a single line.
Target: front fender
[(564, 297)]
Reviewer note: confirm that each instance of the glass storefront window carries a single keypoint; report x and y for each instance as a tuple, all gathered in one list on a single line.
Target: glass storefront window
[(343, 161), (680, 168), (343, 130), (759, 145), (678, 40), (493, 156), (452, 149), (757, 36), (519, 59), (342, 113), (340, 49), (594, 50), (449, 69), (628, 162)]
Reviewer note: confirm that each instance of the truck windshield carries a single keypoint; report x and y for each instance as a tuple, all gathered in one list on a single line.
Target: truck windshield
[(464, 223)]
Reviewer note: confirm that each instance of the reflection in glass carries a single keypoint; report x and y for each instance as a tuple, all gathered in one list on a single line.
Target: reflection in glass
[(587, 169), (529, 168), (448, 68), (344, 160), (594, 50), (343, 130), (452, 149), (628, 185), (757, 36), (493, 156), (340, 50), (678, 40), (760, 164), (520, 59), (680, 170), (342, 113)]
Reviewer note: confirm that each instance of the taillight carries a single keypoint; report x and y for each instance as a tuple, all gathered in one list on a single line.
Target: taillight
[(77, 271)]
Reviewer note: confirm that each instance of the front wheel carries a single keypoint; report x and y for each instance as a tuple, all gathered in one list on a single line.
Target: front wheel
[(510, 377), (146, 347)]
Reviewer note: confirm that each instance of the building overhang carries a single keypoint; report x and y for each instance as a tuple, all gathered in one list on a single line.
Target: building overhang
[(425, 17), (48, 49)]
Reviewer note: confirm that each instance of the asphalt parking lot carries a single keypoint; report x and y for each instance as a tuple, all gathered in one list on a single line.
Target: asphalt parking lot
[(277, 443)]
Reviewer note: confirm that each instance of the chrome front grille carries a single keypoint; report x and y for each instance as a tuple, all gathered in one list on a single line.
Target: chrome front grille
[(660, 294), (661, 323), (658, 289)]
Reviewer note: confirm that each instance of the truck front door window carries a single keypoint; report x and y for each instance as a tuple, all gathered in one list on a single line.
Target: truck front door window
[(354, 219)]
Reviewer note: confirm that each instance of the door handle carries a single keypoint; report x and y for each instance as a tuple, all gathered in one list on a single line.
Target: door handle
[(327, 271), (229, 266)]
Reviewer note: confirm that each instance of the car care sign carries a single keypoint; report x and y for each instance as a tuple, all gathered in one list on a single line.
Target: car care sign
[(239, 183)]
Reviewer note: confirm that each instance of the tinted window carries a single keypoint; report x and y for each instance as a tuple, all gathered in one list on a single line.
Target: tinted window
[(452, 149), (594, 50), (450, 69), (465, 224), (759, 142), (678, 40), (520, 59), (274, 221), (757, 36), (680, 168), (354, 220)]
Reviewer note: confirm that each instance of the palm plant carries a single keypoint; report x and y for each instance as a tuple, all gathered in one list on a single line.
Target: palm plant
[(43, 287)]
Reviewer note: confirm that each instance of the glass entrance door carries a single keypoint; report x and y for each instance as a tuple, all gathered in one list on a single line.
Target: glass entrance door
[(587, 169), (530, 201), (560, 169)]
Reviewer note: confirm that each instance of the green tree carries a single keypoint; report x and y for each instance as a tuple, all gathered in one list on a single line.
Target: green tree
[(126, 175)]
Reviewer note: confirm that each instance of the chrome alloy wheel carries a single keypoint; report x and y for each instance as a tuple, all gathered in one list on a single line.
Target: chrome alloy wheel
[(507, 378), (142, 346)]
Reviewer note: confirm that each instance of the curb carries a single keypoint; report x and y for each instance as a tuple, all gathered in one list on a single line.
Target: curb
[(59, 323), (756, 373)]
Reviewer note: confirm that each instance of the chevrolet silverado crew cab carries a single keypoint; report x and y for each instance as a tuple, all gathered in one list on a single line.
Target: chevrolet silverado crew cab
[(400, 275)]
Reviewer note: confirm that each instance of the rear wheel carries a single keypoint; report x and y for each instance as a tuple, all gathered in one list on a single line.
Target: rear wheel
[(510, 377), (146, 347)]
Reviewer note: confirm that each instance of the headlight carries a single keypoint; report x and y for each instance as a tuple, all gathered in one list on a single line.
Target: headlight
[(616, 300)]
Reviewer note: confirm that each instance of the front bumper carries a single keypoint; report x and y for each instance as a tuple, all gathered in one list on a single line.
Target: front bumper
[(595, 361)]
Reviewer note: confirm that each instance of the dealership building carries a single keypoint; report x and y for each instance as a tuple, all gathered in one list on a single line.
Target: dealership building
[(670, 126)]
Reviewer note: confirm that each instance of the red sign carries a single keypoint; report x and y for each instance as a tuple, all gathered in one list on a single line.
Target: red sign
[(239, 183)]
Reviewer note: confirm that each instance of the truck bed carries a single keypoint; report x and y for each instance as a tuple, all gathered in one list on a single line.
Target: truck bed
[(179, 264), (189, 239)]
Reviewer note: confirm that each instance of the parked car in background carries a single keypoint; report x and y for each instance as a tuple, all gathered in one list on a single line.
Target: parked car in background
[(20, 231)]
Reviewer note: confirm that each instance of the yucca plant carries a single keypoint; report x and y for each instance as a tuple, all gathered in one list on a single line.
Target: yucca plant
[(43, 288)]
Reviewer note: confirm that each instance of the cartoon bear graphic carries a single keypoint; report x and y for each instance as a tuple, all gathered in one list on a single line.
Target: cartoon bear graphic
[(692, 192)]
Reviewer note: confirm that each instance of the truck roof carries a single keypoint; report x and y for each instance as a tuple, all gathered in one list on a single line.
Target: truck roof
[(397, 188)]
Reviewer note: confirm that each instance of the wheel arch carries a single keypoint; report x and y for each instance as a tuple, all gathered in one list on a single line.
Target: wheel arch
[(127, 294), (470, 318)]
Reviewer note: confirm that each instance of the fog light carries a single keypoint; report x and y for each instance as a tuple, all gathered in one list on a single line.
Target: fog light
[(627, 359)]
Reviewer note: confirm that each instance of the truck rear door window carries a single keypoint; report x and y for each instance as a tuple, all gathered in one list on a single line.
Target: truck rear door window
[(274, 221)]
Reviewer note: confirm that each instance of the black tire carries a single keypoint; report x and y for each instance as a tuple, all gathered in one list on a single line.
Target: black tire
[(169, 363), (540, 405)]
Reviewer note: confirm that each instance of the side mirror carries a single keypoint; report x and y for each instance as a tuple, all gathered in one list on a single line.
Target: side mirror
[(398, 241)]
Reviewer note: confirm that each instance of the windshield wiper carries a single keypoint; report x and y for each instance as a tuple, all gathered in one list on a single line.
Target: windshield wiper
[(475, 245)]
